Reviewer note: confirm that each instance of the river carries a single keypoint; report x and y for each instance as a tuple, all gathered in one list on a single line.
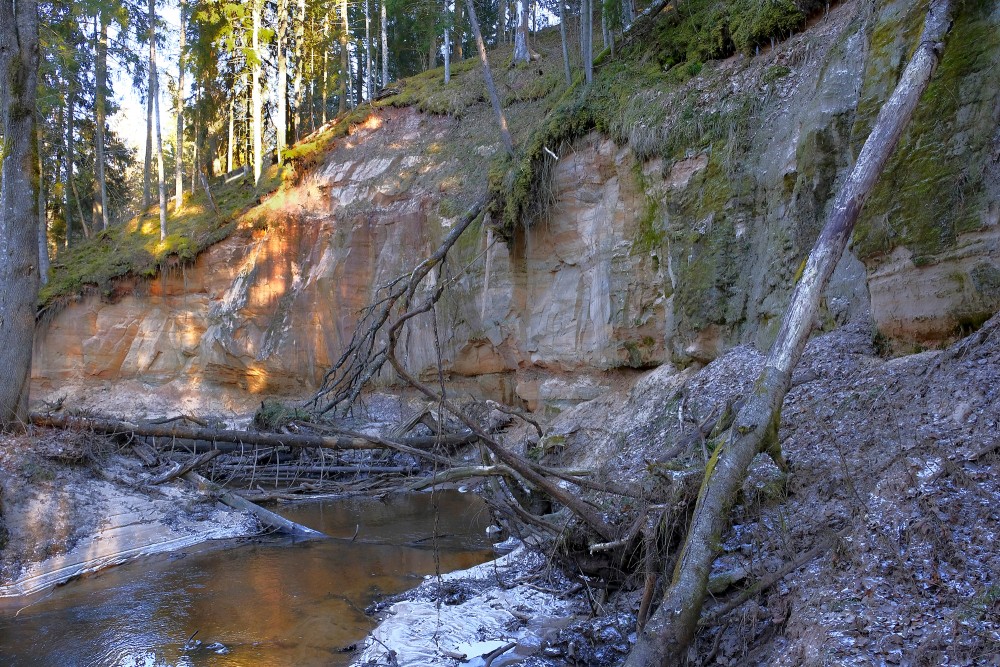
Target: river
[(259, 603)]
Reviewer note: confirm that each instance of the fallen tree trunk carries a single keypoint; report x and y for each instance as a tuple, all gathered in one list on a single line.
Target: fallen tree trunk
[(666, 636), (349, 440)]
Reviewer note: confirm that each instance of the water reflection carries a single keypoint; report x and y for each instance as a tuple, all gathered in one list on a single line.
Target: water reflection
[(272, 603)]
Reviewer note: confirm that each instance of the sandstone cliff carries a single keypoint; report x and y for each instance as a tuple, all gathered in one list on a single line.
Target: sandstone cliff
[(667, 238)]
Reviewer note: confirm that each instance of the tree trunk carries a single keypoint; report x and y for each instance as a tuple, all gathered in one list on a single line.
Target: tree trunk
[(232, 137), (665, 638), (447, 47), (359, 78), (179, 143), (385, 46), (368, 53), (18, 217), (100, 115), (491, 88), (501, 22), (345, 66), (255, 101), (68, 168), (521, 53), (147, 165), (587, 38), (300, 61), (43, 218), (459, 33), (281, 129), (628, 14), (565, 45), (325, 77), (195, 144), (155, 93)]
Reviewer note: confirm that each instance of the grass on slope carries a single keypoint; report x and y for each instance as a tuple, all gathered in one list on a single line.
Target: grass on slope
[(135, 248)]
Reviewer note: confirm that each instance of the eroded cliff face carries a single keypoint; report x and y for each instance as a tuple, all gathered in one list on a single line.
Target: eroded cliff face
[(640, 262)]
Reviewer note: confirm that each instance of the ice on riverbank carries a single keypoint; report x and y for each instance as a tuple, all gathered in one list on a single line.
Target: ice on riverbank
[(471, 613)]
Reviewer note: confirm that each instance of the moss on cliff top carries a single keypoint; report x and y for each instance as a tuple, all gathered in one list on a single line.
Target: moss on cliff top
[(135, 248), (660, 94)]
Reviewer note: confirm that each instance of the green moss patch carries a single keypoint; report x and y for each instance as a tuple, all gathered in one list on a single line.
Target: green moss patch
[(135, 248), (933, 187)]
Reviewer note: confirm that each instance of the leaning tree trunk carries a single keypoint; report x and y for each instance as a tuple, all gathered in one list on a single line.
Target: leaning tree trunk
[(565, 46), (665, 638), (508, 142), (18, 217)]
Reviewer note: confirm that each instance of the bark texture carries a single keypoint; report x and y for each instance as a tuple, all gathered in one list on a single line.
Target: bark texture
[(18, 215), (665, 638), (521, 52)]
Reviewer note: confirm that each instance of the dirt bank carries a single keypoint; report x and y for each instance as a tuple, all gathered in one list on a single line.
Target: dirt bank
[(74, 504)]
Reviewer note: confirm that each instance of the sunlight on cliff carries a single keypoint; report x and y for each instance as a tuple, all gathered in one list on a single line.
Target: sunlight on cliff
[(256, 378), (267, 288)]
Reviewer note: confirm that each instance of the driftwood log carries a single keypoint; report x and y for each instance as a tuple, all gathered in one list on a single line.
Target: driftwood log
[(346, 440)]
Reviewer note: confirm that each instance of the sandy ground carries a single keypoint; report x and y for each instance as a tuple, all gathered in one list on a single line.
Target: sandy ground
[(72, 505)]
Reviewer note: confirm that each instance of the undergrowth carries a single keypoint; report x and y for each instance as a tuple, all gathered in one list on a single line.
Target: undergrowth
[(135, 248), (641, 96)]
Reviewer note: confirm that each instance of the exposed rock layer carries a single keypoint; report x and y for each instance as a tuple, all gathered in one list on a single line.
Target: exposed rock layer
[(640, 262)]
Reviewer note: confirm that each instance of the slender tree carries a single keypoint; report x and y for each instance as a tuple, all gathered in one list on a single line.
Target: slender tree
[(19, 56), (281, 122), (300, 64), (100, 207), (508, 142), (368, 52), (345, 65), (385, 44), (457, 29), (447, 48), (43, 218), (179, 106), (257, 7), (565, 45), (68, 166), (154, 92), (147, 169)]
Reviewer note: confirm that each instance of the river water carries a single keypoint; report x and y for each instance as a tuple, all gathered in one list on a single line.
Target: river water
[(269, 602)]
